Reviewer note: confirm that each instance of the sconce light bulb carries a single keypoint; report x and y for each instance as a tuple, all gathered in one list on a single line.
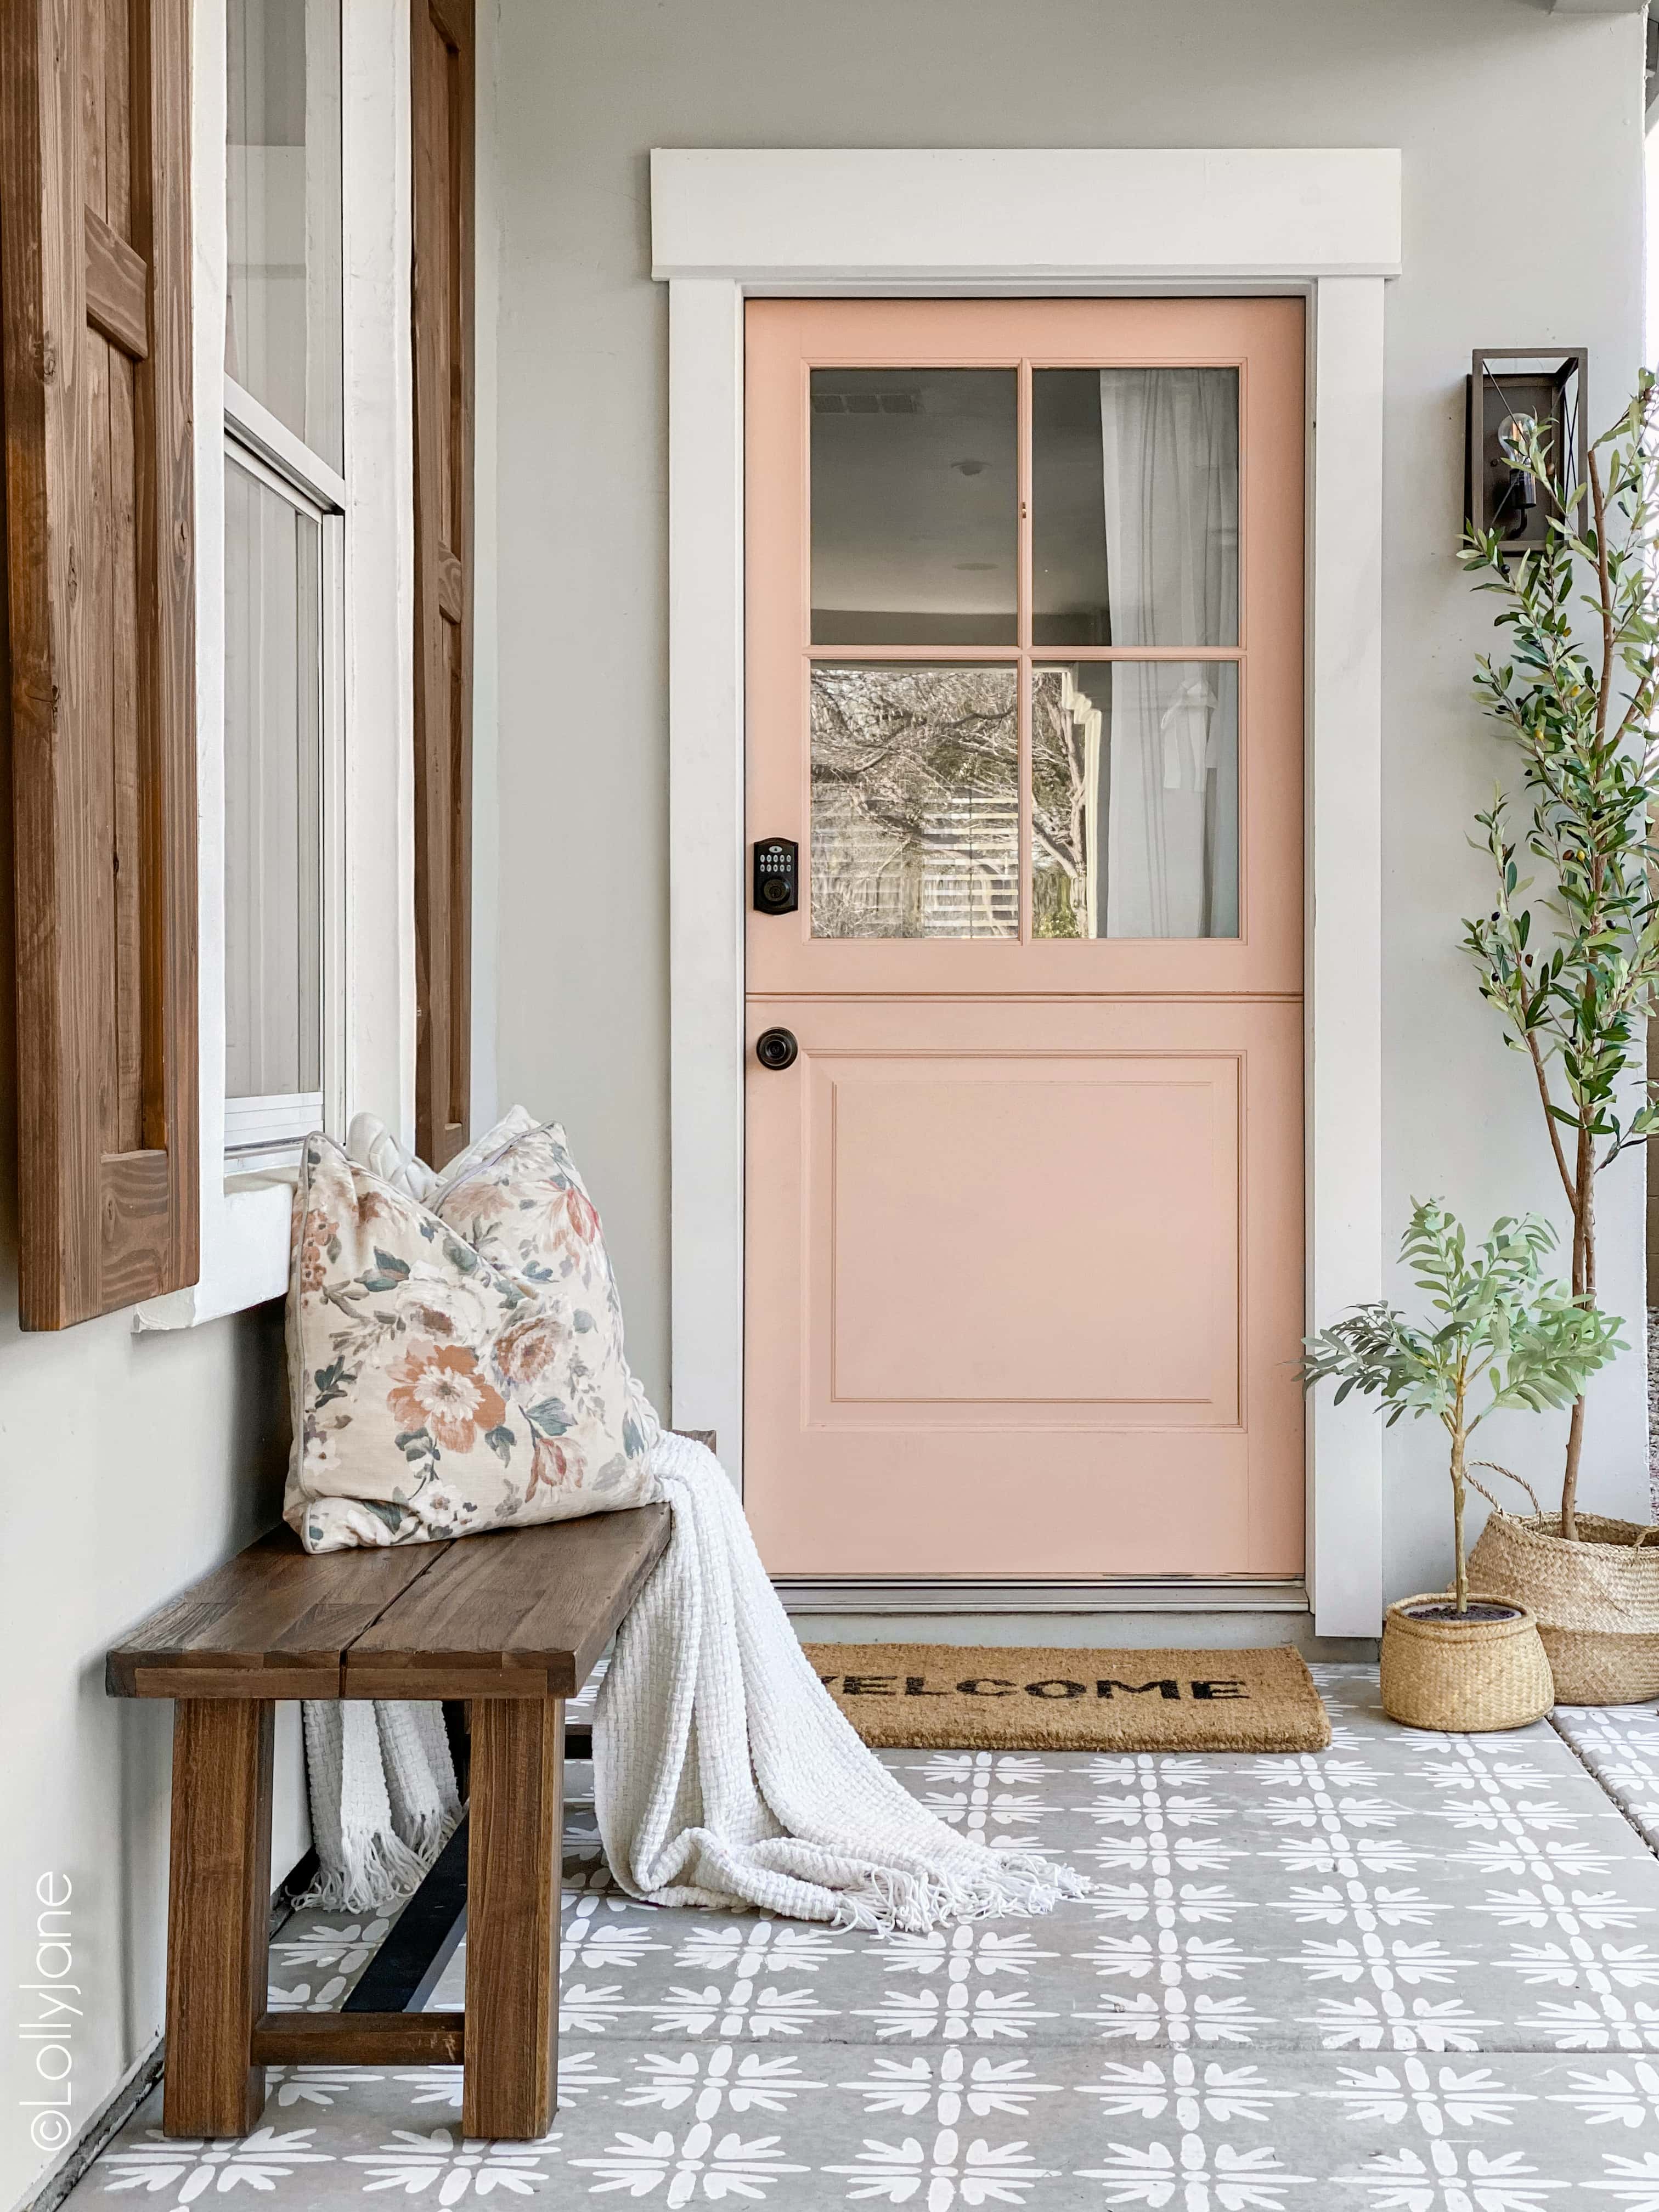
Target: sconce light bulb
[(1520, 493)]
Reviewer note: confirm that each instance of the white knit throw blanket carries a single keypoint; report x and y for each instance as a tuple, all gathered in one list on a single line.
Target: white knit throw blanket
[(383, 1800), (723, 1773), (726, 1775)]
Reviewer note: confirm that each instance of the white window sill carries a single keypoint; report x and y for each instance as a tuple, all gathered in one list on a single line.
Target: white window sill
[(266, 1124), (244, 1254)]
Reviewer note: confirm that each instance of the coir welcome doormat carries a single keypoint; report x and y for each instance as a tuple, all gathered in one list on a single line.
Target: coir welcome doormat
[(946, 1697)]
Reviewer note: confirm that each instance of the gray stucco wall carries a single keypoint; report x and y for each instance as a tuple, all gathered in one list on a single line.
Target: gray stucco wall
[(584, 89), (131, 1465)]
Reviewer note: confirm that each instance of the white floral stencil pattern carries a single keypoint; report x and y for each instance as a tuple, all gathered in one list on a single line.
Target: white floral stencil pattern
[(1410, 1974)]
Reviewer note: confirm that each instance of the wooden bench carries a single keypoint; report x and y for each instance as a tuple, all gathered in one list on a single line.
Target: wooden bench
[(512, 1623)]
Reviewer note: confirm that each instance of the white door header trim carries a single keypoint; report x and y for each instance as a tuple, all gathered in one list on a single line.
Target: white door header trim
[(984, 216)]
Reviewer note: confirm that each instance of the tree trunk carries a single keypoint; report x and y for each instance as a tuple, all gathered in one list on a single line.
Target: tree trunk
[(1584, 1290), (1458, 1442)]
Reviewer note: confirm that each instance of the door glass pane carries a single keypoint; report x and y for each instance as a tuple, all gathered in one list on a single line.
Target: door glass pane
[(915, 498), (915, 802), (1134, 800), (1135, 506), (282, 324), (273, 732)]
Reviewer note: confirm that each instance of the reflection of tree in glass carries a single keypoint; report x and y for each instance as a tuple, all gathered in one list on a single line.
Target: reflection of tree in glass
[(916, 811), (1066, 769)]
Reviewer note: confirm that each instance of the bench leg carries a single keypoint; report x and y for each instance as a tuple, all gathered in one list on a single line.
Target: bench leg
[(514, 1853), (218, 1914)]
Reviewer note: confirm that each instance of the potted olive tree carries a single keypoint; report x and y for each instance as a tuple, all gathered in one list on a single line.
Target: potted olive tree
[(1569, 956), (1499, 1336)]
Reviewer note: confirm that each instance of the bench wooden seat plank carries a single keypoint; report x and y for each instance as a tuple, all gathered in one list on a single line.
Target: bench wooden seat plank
[(273, 1622), (523, 1614)]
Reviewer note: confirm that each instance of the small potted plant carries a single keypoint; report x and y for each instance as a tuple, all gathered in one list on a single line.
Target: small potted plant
[(1568, 957), (1501, 1336)]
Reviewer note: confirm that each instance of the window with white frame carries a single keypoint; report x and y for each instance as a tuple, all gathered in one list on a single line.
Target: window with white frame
[(284, 510)]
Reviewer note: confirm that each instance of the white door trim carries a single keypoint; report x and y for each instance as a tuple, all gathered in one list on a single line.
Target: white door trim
[(1325, 223)]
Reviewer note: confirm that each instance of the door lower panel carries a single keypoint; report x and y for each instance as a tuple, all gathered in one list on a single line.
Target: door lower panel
[(998, 1322)]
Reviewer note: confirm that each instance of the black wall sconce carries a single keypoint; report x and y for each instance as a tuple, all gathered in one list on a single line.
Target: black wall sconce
[(1509, 389)]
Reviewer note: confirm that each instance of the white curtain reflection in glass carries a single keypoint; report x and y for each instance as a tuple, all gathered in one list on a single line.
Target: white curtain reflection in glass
[(273, 729), (283, 213), (1170, 468), (1134, 798), (1172, 855), (1134, 508), (915, 802), (1169, 471)]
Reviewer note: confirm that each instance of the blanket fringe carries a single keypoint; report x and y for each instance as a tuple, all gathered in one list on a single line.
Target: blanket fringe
[(383, 1801), (895, 1903), (379, 1871), (726, 1775)]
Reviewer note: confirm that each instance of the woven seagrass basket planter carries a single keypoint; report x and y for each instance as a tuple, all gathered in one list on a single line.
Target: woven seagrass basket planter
[(1468, 1676), (1596, 1601)]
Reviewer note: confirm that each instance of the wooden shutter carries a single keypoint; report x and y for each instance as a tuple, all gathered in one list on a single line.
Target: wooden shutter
[(441, 42), (94, 290)]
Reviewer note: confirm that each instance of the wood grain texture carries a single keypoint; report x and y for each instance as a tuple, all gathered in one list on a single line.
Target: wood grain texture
[(121, 636), (135, 1218), (508, 2087), (522, 1614), (273, 1622), (166, 638), (442, 47), (41, 320), (359, 2038), (94, 336), (513, 1621), (218, 1906), (117, 288)]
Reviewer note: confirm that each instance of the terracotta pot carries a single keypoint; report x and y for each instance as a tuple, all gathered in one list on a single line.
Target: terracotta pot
[(1596, 1601), (1468, 1676)]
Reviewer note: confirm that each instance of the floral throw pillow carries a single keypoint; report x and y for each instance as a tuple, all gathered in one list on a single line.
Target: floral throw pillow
[(518, 1199), (441, 1388)]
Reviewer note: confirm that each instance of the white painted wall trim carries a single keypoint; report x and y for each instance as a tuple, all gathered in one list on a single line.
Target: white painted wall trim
[(706, 858), (1343, 1005), (1326, 224), (943, 216)]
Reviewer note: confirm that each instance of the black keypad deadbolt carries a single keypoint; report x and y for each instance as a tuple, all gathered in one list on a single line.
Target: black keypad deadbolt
[(776, 1049), (777, 876)]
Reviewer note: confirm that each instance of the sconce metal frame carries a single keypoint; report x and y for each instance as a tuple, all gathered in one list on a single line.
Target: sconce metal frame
[(1545, 382)]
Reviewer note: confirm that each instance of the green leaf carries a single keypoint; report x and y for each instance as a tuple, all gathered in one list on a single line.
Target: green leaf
[(551, 1416), (1498, 1319), (333, 1381)]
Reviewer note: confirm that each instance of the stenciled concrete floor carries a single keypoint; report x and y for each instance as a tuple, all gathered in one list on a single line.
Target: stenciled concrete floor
[(1414, 1973)]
